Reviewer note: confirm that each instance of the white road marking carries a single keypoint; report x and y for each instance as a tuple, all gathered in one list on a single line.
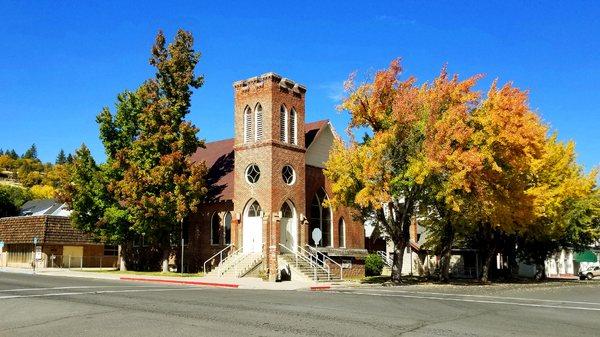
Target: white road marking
[(7, 297), (71, 287), (473, 301), (488, 296)]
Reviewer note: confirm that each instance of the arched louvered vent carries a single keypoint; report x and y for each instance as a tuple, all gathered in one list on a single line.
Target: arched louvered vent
[(259, 122)]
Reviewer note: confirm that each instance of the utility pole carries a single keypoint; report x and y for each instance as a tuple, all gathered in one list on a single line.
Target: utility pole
[(35, 240), (182, 243)]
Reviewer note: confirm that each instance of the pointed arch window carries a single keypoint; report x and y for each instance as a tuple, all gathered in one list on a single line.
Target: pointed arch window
[(283, 124), (227, 234), (293, 127), (254, 209), (286, 211), (215, 229), (247, 125), (341, 233), (258, 114), (320, 217)]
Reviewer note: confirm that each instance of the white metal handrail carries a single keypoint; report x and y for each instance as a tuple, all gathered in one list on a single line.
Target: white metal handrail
[(385, 258), (233, 260), (309, 260), (220, 254), (325, 257)]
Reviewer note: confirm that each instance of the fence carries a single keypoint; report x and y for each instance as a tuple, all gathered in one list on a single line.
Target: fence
[(74, 262), (25, 260)]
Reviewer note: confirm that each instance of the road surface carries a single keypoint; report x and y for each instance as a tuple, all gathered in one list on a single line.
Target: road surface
[(36, 305)]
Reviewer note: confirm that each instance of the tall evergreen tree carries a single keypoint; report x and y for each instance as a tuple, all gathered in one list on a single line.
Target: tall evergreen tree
[(61, 158), (13, 154), (160, 186), (148, 185), (31, 153)]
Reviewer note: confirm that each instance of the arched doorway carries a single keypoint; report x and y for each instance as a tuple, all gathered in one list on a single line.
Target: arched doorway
[(320, 217), (288, 226), (252, 228)]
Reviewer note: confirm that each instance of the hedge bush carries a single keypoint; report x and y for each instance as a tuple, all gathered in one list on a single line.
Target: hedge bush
[(373, 265)]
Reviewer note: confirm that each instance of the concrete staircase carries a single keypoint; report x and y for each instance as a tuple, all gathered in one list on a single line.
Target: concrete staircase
[(308, 271), (237, 265)]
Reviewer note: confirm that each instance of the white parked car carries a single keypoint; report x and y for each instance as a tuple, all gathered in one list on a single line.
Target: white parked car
[(589, 273)]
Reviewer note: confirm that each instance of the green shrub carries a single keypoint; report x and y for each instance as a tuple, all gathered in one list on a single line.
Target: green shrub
[(373, 265)]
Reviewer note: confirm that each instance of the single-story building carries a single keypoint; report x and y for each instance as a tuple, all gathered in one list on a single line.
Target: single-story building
[(52, 242)]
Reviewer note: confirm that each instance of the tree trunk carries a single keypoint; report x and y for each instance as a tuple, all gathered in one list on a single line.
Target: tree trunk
[(540, 272), (399, 248), (487, 262), (446, 253), (165, 260), (511, 258), (123, 251)]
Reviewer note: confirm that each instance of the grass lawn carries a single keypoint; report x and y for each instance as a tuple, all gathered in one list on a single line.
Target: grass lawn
[(146, 273)]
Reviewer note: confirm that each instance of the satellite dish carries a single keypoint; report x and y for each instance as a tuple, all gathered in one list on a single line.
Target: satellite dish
[(316, 236)]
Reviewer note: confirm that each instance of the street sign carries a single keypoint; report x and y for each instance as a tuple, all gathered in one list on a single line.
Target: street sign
[(316, 236), (38, 253)]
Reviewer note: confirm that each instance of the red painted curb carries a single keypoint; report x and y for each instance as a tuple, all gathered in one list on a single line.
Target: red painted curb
[(196, 283), (320, 288)]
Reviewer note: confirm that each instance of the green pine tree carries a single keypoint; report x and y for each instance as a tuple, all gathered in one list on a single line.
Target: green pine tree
[(31, 153), (61, 158)]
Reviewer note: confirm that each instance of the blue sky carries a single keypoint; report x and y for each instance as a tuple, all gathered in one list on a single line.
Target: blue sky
[(61, 62)]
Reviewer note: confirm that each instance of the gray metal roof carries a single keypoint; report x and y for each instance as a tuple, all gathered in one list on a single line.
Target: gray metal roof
[(40, 207)]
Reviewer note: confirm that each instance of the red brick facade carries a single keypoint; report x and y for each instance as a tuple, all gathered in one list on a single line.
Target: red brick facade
[(228, 160)]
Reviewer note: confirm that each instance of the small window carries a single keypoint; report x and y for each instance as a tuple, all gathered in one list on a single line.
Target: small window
[(254, 209), (111, 250), (215, 229), (286, 211), (288, 175), (283, 124), (247, 125), (259, 122), (252, 173), (293, 127), (342, 233), (227, 234)]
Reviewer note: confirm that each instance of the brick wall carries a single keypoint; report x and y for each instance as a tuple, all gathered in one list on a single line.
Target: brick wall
[(270, 154), (199, 247), (355, 233)]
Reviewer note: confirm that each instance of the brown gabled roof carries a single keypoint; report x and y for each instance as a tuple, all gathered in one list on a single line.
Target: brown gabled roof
[(219, 160), (312, 130), (46, 228), (218, 157)]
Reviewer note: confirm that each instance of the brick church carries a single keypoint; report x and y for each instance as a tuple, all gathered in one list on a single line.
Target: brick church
[(267, 189)]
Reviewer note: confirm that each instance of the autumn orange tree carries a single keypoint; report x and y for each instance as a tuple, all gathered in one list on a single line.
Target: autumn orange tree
[(149, 185), (566, 205), (416, 155), (510, 137), (447, 163), (160, 186), (466, 163)]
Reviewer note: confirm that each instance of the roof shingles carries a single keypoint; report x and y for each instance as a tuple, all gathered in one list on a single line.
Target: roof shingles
[(46, 228)]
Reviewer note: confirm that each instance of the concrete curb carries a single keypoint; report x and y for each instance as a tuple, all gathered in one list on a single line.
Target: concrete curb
[(196, 283), (318, 288)]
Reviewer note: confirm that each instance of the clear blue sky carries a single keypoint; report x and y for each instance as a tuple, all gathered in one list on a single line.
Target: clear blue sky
[(62, 61)]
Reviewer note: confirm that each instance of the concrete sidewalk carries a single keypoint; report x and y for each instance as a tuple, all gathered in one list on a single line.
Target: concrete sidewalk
[(224, 282)]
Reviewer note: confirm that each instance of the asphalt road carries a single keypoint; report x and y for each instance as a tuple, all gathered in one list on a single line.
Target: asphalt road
[(35, 305)]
